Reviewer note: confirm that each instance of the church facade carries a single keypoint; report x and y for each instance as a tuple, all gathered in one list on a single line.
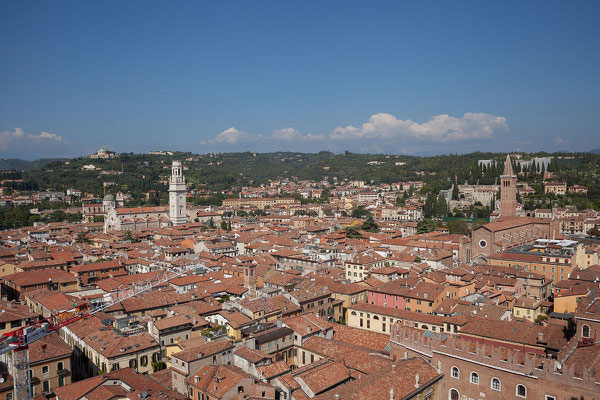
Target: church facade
[(134, 218)]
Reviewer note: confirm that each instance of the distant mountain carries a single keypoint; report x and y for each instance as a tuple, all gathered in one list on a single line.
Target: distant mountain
[(23, 165)]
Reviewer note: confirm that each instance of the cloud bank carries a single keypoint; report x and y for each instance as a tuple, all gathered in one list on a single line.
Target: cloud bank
[(20, 144), (382, 132), (19, 137)]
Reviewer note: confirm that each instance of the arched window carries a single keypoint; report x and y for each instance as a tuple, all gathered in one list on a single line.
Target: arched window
[(453, 395), (521, 391), (474, 378), (455, 372), (353, 313), (496, 384), (585, 331)]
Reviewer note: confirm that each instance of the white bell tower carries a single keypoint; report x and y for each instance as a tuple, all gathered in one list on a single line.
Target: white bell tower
[(177, 195)]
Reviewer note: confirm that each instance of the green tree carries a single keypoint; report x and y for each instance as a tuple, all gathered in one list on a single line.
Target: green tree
[(427, 225), (458, 226), (360, 212), (370, 225), (441, 206), (352, 232), (455, 191)]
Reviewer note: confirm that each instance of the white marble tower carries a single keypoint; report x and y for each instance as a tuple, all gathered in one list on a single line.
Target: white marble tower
[(177, 194)]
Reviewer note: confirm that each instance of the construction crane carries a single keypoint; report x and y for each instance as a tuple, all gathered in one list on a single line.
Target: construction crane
[(18, 341)]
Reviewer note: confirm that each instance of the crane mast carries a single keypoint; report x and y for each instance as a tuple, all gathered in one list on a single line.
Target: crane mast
[(18, 340)]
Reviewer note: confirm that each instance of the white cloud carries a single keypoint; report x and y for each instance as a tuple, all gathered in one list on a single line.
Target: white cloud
[(440, 128), (381, 133), (560, 140), (232, 136), (18, 137)]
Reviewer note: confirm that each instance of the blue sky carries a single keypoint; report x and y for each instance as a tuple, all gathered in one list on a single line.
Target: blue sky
[(396, 77)]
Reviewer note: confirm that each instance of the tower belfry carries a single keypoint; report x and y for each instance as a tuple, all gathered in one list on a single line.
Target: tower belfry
[(177, 195), (508, 191)]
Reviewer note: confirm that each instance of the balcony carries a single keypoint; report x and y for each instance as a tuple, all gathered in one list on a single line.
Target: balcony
[(63, 372)]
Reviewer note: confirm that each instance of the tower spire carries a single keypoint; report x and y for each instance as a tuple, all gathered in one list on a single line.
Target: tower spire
[(508, 169)]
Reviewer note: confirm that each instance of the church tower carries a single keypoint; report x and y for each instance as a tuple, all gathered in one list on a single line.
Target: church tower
[(250, 279), (177, 195), (508, 191)]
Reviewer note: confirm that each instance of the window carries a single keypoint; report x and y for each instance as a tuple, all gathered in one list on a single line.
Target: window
[(455, 372), (59, 366), (482, 243), (521, 391), (585, 331), (9, 396), (61, 381), (132, 363), (496, 384), (474, 378), (46, 386), (453, 395), (548, 397), (45, 369)]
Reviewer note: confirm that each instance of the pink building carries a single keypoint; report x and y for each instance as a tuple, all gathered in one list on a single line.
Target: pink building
[(390, 294)]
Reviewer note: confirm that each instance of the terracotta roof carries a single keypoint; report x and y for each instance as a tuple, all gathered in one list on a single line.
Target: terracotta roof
[(47, 348), (252, 355), (524, 332), (401, 377), (275, 369), (203, 351), (117, 384)]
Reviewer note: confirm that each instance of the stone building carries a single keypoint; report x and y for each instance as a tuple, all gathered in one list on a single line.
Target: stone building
[(133, 218)]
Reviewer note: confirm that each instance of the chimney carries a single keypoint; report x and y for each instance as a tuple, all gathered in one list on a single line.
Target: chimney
[(540, 338), (392, 394)]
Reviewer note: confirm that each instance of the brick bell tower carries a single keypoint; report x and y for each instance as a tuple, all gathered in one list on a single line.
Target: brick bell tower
[(508, 191), (250, 279)]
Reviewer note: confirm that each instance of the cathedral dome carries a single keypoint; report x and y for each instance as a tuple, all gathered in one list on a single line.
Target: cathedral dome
[(108, 197)]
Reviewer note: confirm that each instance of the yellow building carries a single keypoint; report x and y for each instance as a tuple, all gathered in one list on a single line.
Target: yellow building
[(555, 187), (566, 302), (7, 268), (527, 308)]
